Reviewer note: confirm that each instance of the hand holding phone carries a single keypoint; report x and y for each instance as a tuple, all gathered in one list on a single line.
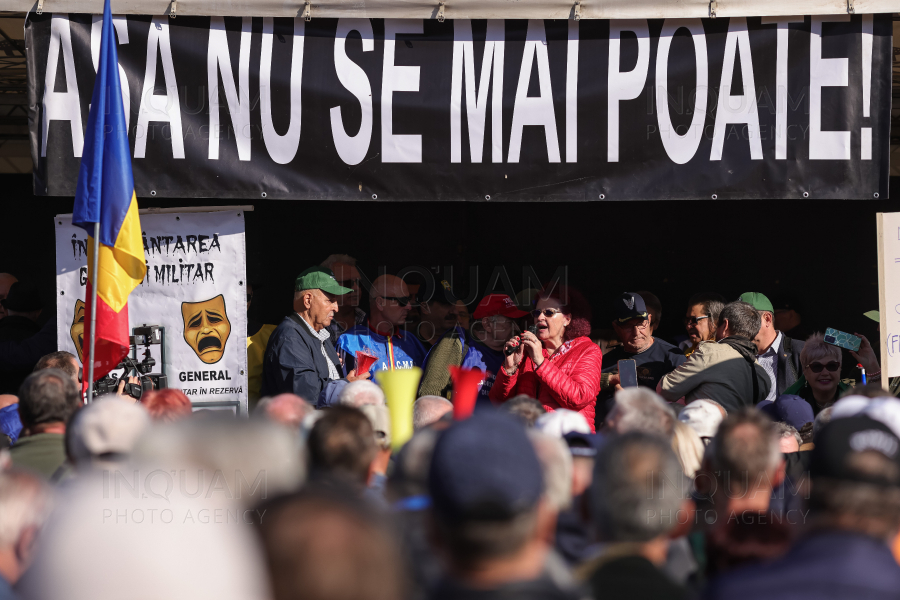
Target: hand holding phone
[(628, 373), (842, 339)]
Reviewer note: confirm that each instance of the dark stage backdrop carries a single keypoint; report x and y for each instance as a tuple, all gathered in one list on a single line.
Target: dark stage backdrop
[(822, 251)]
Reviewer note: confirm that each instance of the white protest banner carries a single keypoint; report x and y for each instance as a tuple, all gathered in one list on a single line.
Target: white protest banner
[(889, 293), (195, 288)]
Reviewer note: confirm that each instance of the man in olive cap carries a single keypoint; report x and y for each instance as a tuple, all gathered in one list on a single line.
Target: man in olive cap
[(300, 358), (778, 354)]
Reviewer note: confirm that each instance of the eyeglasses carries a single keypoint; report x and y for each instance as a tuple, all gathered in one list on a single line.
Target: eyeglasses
[(694, 320), (547, 312), (817, 367), (349, 282), (635, 324), (402, 301)]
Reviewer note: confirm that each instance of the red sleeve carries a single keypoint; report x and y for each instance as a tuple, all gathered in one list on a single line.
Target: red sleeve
[(579, 389), (521, 382)]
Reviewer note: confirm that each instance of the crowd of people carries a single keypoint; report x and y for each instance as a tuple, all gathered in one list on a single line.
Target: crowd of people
[(735, 464)]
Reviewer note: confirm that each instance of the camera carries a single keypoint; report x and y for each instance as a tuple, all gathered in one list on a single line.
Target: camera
[(510, 351), (146, 336)]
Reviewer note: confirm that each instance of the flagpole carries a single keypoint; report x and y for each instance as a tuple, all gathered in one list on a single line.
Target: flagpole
[(93, 336)]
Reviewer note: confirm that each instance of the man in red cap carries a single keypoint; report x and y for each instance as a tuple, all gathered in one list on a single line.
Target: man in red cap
[(497, 314)]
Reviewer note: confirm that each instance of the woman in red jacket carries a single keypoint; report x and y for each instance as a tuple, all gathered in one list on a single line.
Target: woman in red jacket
[(560, 366)]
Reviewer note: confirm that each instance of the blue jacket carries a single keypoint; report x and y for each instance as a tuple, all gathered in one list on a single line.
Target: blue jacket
[(294, 363), (824, 565), (405, 348)]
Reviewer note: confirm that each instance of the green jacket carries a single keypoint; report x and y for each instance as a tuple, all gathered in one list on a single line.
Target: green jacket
[(42, 453)]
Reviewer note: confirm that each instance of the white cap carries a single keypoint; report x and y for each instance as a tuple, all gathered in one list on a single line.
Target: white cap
[(558, 423), (702, 416), (106, 431)]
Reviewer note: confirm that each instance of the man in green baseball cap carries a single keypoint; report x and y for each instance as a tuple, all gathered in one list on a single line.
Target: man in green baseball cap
[(778, 354), (300, 358)]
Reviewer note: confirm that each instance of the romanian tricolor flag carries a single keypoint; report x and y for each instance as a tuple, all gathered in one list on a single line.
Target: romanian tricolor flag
[(105, 196)]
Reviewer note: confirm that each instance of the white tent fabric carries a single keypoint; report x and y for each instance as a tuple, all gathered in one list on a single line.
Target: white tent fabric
[(467, 9)]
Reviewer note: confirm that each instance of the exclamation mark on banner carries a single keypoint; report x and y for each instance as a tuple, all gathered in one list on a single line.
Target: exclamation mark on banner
[(866, 137)]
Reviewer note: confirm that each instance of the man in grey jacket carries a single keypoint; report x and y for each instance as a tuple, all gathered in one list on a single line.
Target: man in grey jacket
[(725, 370), (300, 358)]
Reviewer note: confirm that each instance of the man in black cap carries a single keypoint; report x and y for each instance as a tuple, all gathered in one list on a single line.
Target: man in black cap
[(654, 358), (23, 307), (490, 523), (854, 516), (300, 358)]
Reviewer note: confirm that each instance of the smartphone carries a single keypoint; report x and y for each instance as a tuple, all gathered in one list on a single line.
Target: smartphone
[(628, 373), (842, 339)]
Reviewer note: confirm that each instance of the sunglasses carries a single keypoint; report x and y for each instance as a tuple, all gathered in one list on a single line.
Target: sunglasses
[(402, 301), (694, 320), (817, 367), (547, 312), (350, 282)]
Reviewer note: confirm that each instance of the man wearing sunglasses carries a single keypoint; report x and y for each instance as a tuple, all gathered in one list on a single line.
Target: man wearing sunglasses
[(654, 358), (381, 336)]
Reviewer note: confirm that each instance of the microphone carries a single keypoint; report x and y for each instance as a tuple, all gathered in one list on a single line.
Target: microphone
[(512, 349)]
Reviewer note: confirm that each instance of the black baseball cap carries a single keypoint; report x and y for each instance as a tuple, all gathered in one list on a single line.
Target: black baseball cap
[(630, 306), (484, 468), (839, 444)]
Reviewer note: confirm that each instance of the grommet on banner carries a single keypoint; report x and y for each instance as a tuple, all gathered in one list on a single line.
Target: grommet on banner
[(307, 12), (374, 196), (440, 15), (487, 197), (40, 7), (715, 196), (713, 7), (603, 196), (577, 10), (806, 194), (263, 194), (172, 9), (152, 192), (877, 195)]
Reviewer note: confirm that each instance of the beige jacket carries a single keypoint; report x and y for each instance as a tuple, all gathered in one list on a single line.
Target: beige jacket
[(715, 372)]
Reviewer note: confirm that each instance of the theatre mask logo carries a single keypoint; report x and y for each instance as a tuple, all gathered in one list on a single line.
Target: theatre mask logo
[(77, 329), (206, 328)]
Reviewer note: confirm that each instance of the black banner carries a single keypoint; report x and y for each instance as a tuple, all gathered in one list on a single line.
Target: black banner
[(359, 109)]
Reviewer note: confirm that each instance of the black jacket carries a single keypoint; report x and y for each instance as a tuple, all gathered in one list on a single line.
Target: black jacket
[(294, 363), (789, 367)]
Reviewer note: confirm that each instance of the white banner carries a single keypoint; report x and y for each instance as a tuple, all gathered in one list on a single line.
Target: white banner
[(195, 288)]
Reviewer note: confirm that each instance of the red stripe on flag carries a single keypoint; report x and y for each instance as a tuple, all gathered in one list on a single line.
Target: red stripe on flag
[(111, 345)]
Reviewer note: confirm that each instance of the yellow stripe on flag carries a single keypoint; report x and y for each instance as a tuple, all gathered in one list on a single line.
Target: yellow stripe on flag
[(121, 268)]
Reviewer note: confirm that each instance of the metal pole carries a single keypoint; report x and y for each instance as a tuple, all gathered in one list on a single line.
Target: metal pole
[(93, 336)]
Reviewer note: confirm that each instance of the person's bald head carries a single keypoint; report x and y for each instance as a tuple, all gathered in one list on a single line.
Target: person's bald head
[(6, 280), (390, 302)]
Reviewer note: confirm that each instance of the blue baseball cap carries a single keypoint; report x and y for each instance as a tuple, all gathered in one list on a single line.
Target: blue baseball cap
[(484, 468), (793, 410), (630, 306)]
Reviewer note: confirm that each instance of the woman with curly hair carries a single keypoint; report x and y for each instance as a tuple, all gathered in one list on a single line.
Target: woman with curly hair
[(560, 365)]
